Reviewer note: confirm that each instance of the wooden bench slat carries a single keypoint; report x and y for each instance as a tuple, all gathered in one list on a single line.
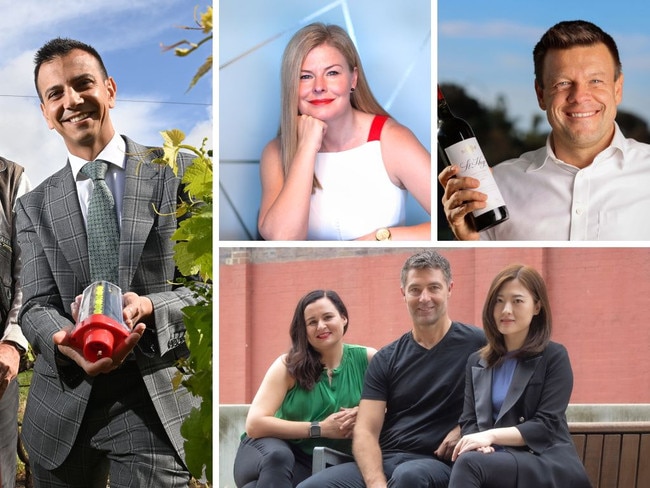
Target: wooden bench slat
[(643, 477), (579, 440), (593, 457), (629, 461), (610, 461)]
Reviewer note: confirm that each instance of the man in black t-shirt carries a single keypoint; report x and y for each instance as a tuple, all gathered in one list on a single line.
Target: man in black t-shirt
[(407, 424)]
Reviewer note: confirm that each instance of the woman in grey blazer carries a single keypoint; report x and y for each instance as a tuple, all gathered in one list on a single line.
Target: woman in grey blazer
[(517, 389)]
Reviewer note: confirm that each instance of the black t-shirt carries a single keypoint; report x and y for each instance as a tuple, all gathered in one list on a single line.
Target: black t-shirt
[(423, 388)]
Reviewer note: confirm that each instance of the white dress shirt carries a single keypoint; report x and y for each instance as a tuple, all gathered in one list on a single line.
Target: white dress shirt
[(549, 200), (114, 153)]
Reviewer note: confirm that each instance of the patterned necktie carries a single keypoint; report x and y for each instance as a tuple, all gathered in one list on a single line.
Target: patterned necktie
[(102, 227)]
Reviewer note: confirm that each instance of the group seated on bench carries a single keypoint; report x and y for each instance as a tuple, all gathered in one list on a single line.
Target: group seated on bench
[(611, 440)]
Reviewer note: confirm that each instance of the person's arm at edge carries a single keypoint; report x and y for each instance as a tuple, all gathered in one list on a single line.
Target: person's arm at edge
[(13, 334)]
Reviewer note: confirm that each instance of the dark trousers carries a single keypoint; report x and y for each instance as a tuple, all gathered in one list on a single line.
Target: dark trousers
[(478, 470), (8, 435), (401, 469), (270, 463), (121, 437)]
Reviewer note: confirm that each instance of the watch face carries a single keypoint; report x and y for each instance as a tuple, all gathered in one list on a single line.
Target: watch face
[(383, 234), (314, 430)]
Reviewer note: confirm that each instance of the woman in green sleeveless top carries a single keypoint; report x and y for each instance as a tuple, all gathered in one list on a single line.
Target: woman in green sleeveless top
[(308, 397)]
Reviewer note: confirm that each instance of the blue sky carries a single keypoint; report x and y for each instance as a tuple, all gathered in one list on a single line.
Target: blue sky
[(151, 84), (487, 47)]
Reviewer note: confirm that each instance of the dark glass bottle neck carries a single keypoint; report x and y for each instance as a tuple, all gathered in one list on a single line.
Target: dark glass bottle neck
[(444, 111)]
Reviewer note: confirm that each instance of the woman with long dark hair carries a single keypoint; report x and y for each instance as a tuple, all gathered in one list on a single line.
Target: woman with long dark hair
[(309, 397)]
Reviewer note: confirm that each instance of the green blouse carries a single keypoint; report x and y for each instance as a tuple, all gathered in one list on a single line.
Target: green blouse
[(344, 391)]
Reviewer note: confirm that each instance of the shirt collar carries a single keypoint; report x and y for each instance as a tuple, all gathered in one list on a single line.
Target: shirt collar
[(615, 151), (113, 153)]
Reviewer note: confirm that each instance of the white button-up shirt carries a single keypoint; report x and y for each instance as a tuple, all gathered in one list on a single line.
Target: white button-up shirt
[(550, 200), (114, 153)]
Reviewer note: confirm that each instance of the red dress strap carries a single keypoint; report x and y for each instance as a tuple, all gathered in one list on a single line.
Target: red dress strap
[(376, 126)]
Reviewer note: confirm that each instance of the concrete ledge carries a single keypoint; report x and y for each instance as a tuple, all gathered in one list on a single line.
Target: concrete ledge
[(608, 412), (232, 419)]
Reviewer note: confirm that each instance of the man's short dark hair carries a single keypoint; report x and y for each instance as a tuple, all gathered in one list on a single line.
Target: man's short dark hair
[(427, 259), (59, 47), (573, 33)]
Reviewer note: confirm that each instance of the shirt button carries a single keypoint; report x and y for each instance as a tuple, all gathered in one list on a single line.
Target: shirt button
[(521, 419), (579, 211)]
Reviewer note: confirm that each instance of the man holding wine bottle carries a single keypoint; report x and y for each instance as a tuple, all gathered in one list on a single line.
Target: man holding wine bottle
[(589, 182)]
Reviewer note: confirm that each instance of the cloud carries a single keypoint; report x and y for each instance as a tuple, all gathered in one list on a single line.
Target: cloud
[(41, 19), (200, 131), (495, 29), (128, 28), (24, 135)]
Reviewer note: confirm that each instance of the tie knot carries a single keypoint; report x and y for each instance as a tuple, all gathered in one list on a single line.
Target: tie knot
[(95, 170)]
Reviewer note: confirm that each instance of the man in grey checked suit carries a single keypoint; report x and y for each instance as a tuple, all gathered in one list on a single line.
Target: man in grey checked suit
[(120, 416)]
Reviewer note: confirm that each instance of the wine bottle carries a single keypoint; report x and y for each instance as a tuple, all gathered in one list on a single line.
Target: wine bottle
[(457, 145)]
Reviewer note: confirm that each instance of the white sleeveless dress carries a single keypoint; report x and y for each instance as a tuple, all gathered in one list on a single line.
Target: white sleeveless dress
[(357, 196)]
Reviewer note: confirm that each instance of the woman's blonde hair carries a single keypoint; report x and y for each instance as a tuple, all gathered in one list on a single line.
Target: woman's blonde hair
[(303, 41)]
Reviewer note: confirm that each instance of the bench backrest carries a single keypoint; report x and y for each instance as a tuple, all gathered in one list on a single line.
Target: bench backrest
[(615, 454)]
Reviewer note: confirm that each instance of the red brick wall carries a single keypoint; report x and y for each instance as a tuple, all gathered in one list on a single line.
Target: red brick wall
[(600, 298)]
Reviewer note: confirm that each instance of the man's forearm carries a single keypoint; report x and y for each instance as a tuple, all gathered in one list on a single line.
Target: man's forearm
[(367, 454)]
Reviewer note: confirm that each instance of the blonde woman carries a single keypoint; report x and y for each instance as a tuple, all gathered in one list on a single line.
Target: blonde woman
[(340, 167)]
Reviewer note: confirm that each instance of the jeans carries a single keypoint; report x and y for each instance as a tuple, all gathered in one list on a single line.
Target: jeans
[(270, 463), (403, 470), (475, 469)]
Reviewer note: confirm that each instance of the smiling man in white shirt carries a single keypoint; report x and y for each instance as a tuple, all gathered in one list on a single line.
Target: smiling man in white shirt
[(589, 182)]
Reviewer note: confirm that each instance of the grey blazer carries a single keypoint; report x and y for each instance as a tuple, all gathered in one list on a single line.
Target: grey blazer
[(52, 238)]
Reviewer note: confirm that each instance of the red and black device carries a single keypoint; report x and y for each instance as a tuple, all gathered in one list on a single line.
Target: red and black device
[(100, 329)]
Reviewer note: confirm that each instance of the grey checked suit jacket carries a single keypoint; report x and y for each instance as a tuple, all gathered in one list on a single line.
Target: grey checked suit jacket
[(52, 238)]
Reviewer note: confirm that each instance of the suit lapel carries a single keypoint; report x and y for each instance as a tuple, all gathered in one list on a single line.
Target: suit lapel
[(482, 381), (68, 224), (142, 197), (522, 375)]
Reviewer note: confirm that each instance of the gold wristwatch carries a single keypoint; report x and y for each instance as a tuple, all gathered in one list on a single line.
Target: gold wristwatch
[(383, 234)]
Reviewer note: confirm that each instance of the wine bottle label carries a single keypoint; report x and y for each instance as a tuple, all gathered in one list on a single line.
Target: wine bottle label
[(467, 154)]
